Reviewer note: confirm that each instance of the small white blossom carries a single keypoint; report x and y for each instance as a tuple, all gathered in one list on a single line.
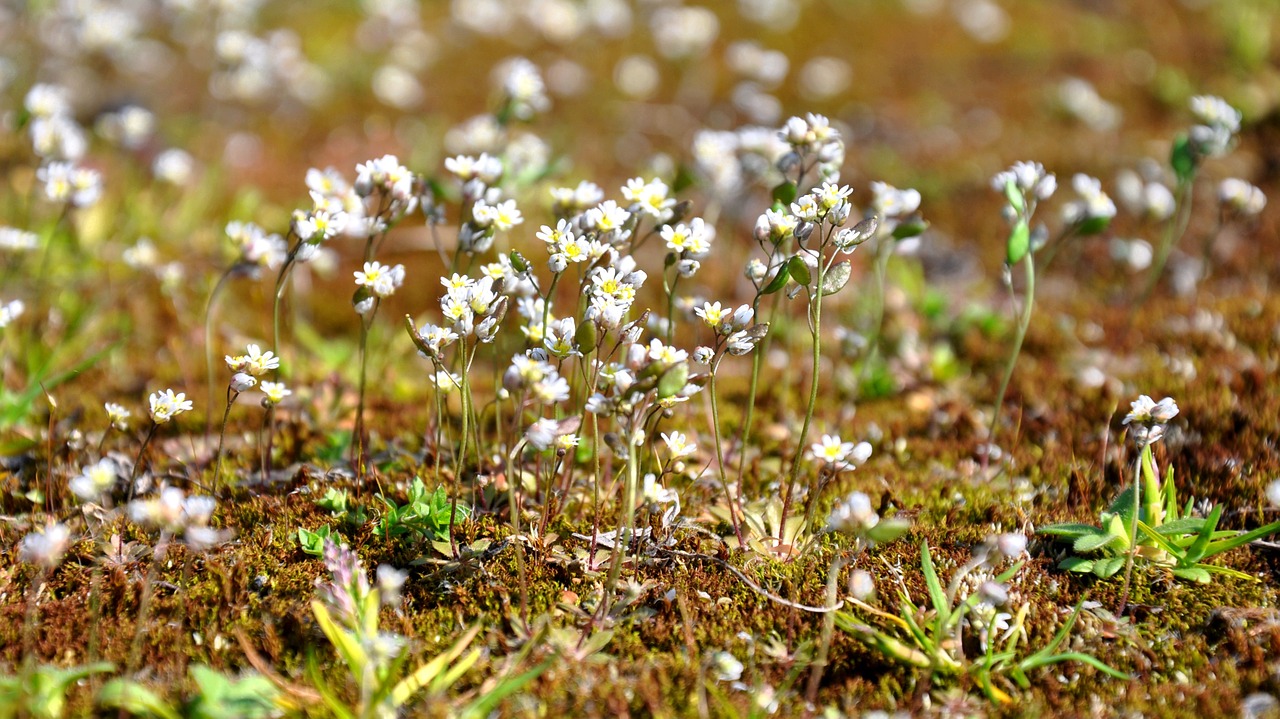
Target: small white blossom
[(166, 405)]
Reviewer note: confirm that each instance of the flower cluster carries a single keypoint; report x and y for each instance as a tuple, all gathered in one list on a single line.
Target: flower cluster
[(1147, 418), (173, 513), (1241, 197), (1218, 124), (1143, 194), (853, 515), (255, 247), (814, 142), (45, 548), (166, 405), (1094, 206)]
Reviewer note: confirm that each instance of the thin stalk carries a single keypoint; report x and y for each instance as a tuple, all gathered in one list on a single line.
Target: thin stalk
[(208, 341), (144, 605), (29, 620), (884, 252), (265, 442), (514, 506), (137, 464), (281, 282), (1027, 306), (828, 631), (222, 433), (1133, 533), (1173, 234), (815, 312), (757, 361), (715, 428), (462, 455), (360, 457), (671, 309), (627, 529), (546, 302)]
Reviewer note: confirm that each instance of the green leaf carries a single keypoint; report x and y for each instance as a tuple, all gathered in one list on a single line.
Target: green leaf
[(1197, 550), (1241, 539), (799, 270), (785, 193), (1014, 196), (1093, 542), (1093, 225), (1069, 530), (911, 229), (887, 530), (1123, 503), (1186, 525), (673, 380), (313, 542), (1192, 574), (136, 699), (1076, 564), (836, 278), (1107, 567), (1182, 159), (936, 595), (1019, 243), (779, 280)]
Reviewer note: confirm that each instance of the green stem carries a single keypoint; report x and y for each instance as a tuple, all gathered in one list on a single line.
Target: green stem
[(757, 361), (513, 479), (815, 310), (222, 434), (623, 537), (1027, 306), (142, 451), (671, 309), (29, 622), (208, 341), (715, 428), (1172, 235), (144, 605), (884, 252), (1133, 534), (359, 428)]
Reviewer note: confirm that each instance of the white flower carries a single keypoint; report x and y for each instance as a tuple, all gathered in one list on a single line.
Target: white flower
[(117, 416), (1094, 204), (542, 433), (10, 312), (1241, 196), (242, 381), (12, 238), (1028, 177), (256, 362), (727, 668), (1273, 492), (712, 314), (653, 492), (853, 515), (678, 444), (446, 381), (166, 405), (94, 480), (274, 393), (173, 166), (45, 548), (606, 217), (382, 280), (1145, 410), (1215, 112), (831, 451), (889, 201)]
